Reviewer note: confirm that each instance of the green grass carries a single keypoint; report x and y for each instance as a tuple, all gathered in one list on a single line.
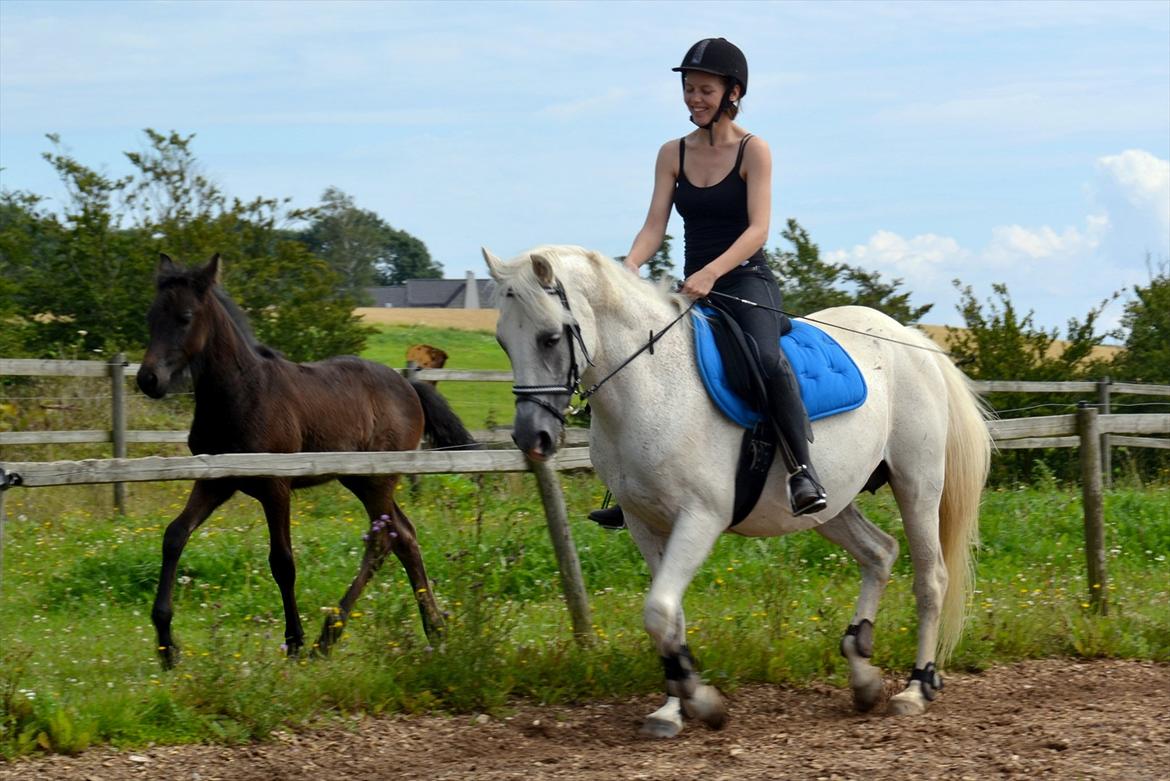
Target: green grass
[(78, 663), (479, 404), (77, 660)]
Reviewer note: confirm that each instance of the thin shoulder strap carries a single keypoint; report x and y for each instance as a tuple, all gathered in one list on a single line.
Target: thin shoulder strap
[(682, 153), (739, 156)]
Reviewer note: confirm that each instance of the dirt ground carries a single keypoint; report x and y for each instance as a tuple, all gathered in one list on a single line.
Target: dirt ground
[(1052, 719)]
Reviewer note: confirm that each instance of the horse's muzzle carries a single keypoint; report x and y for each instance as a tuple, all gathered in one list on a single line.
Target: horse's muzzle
[(538, 443), (148, 382)]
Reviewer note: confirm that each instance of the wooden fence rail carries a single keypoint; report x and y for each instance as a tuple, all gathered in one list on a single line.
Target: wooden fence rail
[(1090, 430)]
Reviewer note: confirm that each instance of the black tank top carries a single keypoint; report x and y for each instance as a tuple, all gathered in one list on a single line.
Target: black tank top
[(713, 217)]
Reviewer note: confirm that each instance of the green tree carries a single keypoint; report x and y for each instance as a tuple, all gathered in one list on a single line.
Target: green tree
[(810, 283), (28, 239), (297, 302), (998, 343), (1146, 326), (362, 248), (659, 266), (88, 272), (78, 272)]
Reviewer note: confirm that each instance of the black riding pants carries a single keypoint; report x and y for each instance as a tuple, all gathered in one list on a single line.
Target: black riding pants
[(764, 326)]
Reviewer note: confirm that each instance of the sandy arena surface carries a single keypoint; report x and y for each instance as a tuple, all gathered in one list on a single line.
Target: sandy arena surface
[(1051, 719)]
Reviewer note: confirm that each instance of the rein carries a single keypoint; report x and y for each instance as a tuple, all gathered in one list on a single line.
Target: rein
[(572, 384), (654, 337), (808, 319)]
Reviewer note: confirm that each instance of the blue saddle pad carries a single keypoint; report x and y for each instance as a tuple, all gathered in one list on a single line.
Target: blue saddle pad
[(830, 381)]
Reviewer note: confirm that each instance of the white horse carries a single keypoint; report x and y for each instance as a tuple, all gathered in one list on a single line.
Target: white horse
[(669, 456)]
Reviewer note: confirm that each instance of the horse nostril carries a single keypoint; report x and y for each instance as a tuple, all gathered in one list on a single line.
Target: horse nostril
[(148, 382), (544, 443)]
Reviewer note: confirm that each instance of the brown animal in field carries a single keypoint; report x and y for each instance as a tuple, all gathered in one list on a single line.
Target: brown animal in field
[(426, 357)]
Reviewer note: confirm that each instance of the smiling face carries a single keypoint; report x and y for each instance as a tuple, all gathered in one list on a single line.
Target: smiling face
[(703, 93)]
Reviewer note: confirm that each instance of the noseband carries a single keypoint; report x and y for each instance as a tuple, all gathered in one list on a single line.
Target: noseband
[(572, 384)]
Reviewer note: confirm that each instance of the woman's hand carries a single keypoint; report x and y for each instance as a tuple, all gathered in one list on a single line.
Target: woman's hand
[(699, 284), (630, 267)]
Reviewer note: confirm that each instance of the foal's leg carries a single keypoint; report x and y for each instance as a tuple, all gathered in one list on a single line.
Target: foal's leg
[(919, 505), (274, 495), (205, 496), (875, 552), (678, 558), (397, 534)]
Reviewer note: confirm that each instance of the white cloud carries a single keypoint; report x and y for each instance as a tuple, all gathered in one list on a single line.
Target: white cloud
[(1058, 273), (925, 257), (1013, 244), (1142, 180)]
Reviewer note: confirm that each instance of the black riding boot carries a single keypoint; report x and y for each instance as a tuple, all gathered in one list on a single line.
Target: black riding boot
[(791, 420), (609, 517)]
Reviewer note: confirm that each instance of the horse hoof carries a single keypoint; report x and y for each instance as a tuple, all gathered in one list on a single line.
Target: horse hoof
[(907, 704), (706, 705), (655, 727), (168, 656), (866, 693)]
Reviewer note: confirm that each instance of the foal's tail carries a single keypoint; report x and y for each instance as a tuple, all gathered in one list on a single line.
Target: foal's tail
[(442, 426), (968, 458)]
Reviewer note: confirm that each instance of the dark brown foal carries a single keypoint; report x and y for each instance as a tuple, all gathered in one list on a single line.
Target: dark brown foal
[(249, 399)]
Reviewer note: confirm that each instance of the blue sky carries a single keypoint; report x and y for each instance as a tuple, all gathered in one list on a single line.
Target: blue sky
[(1018, 143)]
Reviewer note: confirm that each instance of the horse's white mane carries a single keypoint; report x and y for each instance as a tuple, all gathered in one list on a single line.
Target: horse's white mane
[(611, 287)]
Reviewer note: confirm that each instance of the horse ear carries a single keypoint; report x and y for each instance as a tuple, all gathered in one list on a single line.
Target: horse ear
[(493, 263), (543, 269), (165, 263), (210, 273)]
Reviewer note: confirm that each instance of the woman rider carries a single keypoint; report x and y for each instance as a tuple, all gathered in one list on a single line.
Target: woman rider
[(719, 178)]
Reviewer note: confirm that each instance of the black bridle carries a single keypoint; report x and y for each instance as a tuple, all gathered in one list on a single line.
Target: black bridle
[(531, 393), (572, 383)]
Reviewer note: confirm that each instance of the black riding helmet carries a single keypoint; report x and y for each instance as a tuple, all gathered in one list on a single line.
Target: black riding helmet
[(720, 57)]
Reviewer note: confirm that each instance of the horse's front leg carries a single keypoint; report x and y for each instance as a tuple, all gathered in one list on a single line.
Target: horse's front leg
[(673, 563), (205, 496), (275, 495)]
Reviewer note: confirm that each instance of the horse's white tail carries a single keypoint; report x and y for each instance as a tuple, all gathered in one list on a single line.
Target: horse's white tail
[(968, 459)]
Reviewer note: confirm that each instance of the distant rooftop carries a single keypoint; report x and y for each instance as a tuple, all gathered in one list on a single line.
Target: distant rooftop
[(432, 294)]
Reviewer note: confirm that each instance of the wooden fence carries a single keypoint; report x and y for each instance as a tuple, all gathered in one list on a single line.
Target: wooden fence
[(1089, 429)]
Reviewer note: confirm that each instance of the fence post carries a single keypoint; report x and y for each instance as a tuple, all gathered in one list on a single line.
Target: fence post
[(572, 582), (1106, 452), (1091, 491), (118, 417)]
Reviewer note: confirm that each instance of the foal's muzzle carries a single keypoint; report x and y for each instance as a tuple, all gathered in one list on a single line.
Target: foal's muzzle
[(150, 383)]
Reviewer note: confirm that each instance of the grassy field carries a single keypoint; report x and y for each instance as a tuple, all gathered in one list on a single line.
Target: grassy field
[(479, 404), (77, 661)]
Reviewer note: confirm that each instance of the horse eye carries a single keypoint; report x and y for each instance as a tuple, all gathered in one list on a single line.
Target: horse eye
[(186, 316), (550, 340)]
